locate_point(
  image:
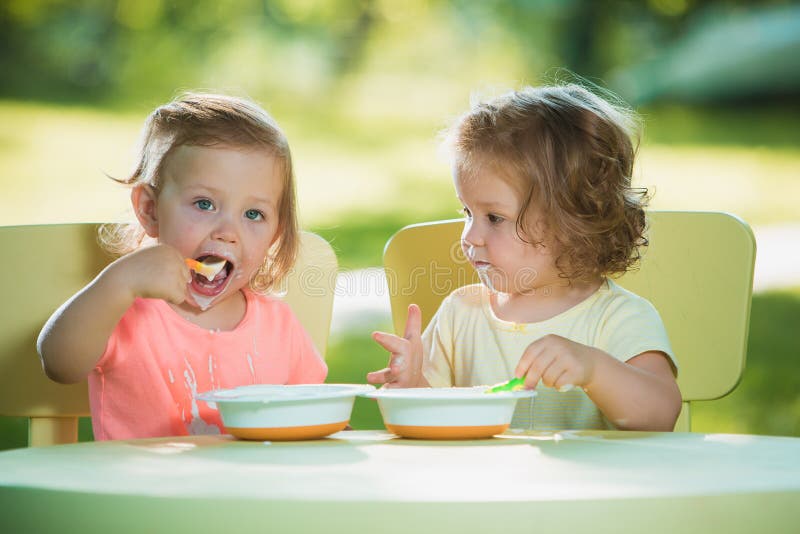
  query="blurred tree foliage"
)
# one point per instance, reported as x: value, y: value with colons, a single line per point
x: 89, y: 50
x: 116, y: 50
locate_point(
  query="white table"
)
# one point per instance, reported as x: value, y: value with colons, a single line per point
x: 362, y: 481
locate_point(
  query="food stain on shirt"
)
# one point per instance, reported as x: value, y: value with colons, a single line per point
x: 252, y: 368
x: 196, y: 426
x: 212, y: 364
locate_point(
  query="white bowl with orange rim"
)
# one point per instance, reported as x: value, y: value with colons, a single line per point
x: 285, y: 412
x: 446, y: 413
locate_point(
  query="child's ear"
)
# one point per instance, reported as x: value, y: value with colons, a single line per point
x: 145, y: 206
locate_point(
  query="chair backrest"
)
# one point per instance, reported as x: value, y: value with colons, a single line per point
x: 310, y: 286
x: 49, y: 263
x: 697, y: 271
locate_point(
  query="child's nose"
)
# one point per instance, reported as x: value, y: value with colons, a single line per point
x: 226, y: 230
x: 471, y: 236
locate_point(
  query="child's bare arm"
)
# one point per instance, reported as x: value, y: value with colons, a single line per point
x: 75, y: 336
x: 405, y: 362
x: 640, y: 394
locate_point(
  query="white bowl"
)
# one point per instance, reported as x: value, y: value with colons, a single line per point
x: 446, y: 413
x: 285, y: 413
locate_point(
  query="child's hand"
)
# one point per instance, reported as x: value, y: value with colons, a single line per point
x: 75, y: 336
x: 557, y: 362
x: 153, y: 272
x: 405, y: 363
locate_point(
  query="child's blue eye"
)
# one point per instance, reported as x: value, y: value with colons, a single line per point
x: 254, y: 215
x: 204, y: 204
x: 495, y: 219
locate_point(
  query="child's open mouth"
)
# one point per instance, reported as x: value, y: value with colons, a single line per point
x: 211, y: 288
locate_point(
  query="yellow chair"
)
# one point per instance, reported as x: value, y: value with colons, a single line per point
x: 697, y: 271
x: 49, y: 263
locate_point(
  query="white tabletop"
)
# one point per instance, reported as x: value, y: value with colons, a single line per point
x: 606, y: 481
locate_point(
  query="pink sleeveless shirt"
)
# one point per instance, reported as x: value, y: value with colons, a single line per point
x: 155, y: 361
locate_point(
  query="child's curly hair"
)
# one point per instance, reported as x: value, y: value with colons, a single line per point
x: 569, y: 154
x: 202, y: 119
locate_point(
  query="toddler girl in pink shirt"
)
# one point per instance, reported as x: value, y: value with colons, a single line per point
x: 214, y: 183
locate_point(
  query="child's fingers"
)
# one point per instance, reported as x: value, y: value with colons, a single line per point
x: 553, y: 374
x: 532, y: 364
x: 539, y: 369
x: 390, y: 342
x: 413, y: 323
x: 405, y: 361
x: 383, y: 376
x: 564, y: 385
x: 398, y: 363
x: 528, y: 357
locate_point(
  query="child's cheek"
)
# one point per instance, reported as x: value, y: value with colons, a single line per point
x: 248, y: 267
x: 238, y: 274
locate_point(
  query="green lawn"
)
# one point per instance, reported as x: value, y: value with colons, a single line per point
x: 767, y: 400
x: 362, y: 169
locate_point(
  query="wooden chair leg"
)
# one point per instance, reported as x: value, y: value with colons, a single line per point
x: 43, y: 431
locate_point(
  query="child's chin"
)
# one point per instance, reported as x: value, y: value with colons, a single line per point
x: 201, y: 302
x: 204, y: 301
x: 202, y: 296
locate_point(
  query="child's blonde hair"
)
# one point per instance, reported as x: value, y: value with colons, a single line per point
x: 569, y: 154
x: 202, y: 119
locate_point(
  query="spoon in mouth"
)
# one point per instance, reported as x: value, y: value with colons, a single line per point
x: 209, y: 270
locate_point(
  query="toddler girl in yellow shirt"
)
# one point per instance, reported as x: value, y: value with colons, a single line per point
x: 544, y: 177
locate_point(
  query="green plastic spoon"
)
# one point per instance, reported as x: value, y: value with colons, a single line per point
x: 515, y: 384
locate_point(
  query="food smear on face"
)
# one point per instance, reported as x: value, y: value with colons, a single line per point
x: 486, y: 279
x: 203, y: 302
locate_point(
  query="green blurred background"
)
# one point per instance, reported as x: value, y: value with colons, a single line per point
x: 363, y: 87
